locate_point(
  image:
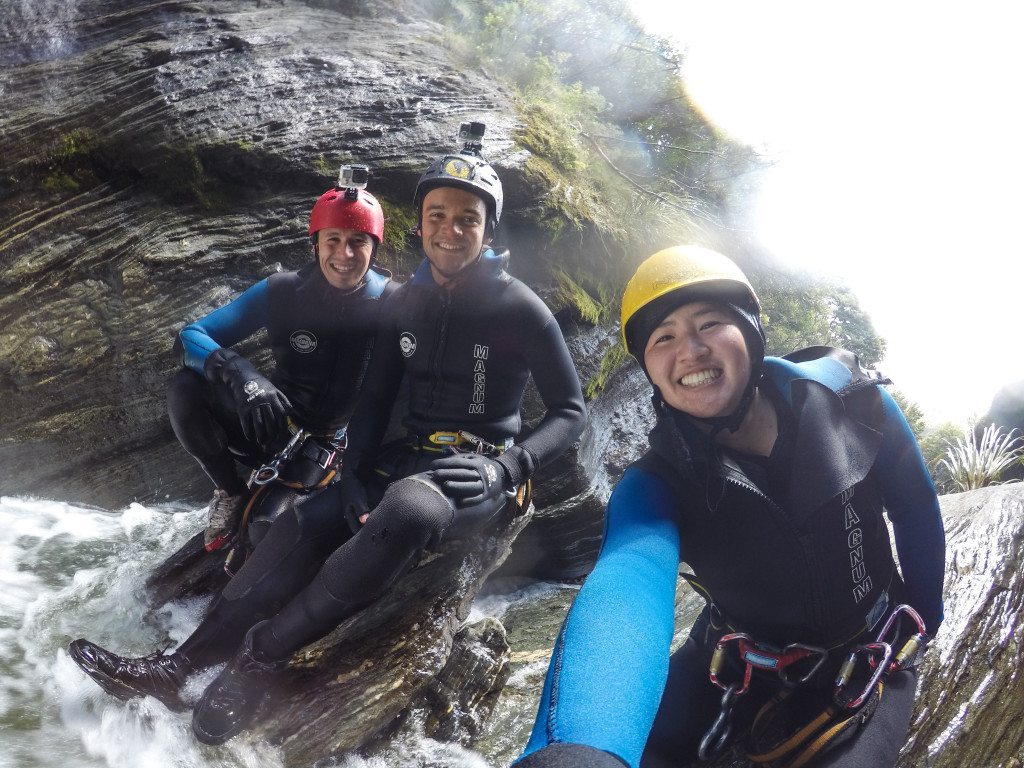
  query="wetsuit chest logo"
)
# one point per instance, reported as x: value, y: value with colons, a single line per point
x: 302, y: 341
x: 407, y: 343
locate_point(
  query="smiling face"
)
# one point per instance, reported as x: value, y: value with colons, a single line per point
x: 454, y: 230
x: 697, y: 358
x: 344, y: 256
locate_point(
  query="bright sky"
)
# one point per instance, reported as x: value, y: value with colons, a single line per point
x: 897, y: 134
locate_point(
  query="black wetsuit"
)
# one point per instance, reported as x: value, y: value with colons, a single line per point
x: 321, y: 339
x: 788, y: 548
x: 466, y: 355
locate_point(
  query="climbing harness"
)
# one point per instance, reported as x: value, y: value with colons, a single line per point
x: 459, y: 440
x: 754, y: 655
x: 858, y: 688
x: 269, y: 472
x: 324, y: 454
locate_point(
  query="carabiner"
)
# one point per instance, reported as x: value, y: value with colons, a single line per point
x: 914, y: 643
x: 715, y: 741
x: 268, y: 473
x: 879, y: 657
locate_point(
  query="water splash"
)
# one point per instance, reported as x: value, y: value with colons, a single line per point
x: 70, y: 572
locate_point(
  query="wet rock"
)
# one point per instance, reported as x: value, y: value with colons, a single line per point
x: 563, y: 539
x: 972, y: 692
x: 155, y: 161
x: 459, y: 700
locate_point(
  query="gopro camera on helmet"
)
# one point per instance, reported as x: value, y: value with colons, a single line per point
x: 472, y: 135
x: 353, y: 178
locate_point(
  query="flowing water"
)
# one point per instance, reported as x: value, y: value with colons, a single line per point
x: 68, y: 572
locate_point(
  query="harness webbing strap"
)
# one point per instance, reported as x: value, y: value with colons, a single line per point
x: 825, y: 731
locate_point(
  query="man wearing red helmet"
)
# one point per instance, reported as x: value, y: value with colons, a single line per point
x: 320, y: 321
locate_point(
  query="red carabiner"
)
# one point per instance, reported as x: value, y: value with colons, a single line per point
x: 878, y: 658
x: 914, y: 643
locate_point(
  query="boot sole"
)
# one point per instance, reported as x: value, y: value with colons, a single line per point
x: 114, y: 687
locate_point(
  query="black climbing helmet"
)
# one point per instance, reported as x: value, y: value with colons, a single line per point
x: 466, y: 170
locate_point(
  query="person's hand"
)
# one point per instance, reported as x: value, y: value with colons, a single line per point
x: 261, y: 407
x: 469, y: 478
x: 352, y: 501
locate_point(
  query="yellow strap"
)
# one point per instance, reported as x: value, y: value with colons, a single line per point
x: 794, y: 741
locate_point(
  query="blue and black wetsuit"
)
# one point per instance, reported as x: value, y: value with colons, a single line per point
x: 801, y: 554
x: 321, y: 339
x: 465, y: 354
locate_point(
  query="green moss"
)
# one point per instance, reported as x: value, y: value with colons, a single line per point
x: 399, y: 250
x: 613, y: 357
x: 179, y: 175
x: 329, y: 166
x: 571, y: 294
x: 59, y: 181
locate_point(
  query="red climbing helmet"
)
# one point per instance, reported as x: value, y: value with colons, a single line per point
x: 348, y: 209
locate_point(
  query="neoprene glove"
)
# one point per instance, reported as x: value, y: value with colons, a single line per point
x: 469, y: 478
x: 352, y: 500
x: 261, y: 407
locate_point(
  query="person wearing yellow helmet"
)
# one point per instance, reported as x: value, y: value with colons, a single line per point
x: 768, y: 477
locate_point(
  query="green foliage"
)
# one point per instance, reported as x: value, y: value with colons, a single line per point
x: 627, y: 163
x: 935, y: 444
x: 911, y: 412
x: 604, y: 114
x: 975, y: 462
x: 800, y: 313
x: 615, y: 356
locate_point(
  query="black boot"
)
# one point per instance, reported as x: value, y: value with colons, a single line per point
x: 231, y: 702
x: 160, y: 676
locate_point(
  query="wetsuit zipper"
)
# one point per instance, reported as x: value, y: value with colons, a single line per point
x: 816, y: 617
x: 436, y: 384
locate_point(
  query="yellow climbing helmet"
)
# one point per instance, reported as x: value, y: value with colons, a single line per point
x: 681, y: 267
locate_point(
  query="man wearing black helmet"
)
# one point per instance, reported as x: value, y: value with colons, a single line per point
x: 465, y: 336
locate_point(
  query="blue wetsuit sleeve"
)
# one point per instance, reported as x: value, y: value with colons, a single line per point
x: 913, y: 507
x: 225, y: 326
x: 610, y: 661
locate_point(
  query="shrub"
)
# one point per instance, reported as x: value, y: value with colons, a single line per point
x: 975, y: 463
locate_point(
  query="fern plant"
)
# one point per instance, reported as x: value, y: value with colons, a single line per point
x: 974, y: 463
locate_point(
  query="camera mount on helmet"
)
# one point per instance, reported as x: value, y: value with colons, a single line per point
x: 466, y: 170
x: 472, y: 136
x: 353, y: 178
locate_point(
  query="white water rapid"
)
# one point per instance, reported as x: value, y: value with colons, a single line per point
x: 68, y: 571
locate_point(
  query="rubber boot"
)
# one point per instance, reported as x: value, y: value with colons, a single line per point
x: 158, y: 675
x: 231, y: 702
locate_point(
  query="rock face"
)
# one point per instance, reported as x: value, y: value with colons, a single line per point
x: 156, y: 159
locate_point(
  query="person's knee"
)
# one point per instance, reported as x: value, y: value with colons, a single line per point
x: 413, y: 511
x: 184, y: 392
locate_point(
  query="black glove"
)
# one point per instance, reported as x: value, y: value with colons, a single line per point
x: 352, y: 501
x: 470, y: 478
x: 261, y: 407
